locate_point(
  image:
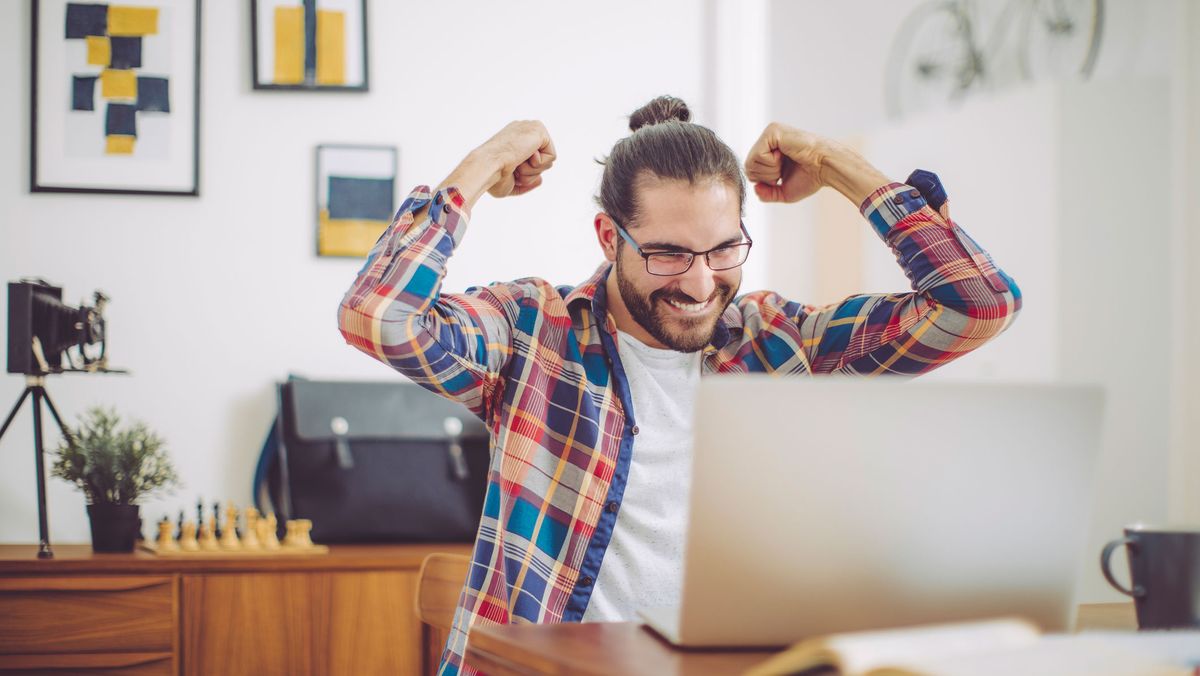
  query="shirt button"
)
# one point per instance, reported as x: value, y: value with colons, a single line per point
x: 446, y: 208
x: 612, y: 507
x: 585, y: 581
x: 636, y: 430
x: 914, y: 193
x: 898, y: 199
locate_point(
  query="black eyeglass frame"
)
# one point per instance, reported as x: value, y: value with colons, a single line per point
x: 691, y: 261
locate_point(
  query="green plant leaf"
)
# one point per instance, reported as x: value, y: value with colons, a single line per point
x: 113, y: 465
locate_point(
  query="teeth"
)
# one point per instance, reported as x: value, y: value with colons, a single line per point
x: 688, y: 307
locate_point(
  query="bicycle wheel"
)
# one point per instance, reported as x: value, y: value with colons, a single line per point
x: 1061, y: 38
x: 933, y: 60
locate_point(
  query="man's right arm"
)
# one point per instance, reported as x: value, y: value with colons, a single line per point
x: 453, y: 344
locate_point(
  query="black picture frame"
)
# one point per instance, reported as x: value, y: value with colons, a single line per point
x: 310, y: 77
x: 51, y: 170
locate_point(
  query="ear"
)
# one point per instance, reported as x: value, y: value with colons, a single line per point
x: 606, y: 235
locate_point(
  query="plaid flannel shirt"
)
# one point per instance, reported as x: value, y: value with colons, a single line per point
x: 539, y: 365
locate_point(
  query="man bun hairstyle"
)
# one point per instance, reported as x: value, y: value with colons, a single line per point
x: 662, y: 109
x: 665, y: 144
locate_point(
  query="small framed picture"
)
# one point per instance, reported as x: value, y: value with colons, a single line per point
x: 309, y: 44
x: 115, y: 100
x: 356, y: 197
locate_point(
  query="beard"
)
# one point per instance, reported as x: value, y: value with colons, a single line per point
x: 682, y: 334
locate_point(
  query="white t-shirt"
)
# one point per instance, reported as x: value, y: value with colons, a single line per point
x: 643, y: 564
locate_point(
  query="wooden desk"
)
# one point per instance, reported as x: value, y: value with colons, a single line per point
x: 627, y: 648
x: 348, y: 612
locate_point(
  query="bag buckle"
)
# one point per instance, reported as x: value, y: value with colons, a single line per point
x: 458, y: 461
x: 341, y: 442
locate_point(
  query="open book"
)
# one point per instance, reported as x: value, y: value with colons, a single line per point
x: 986, y: 648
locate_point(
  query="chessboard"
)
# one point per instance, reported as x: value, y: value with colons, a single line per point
x: 258, y: 536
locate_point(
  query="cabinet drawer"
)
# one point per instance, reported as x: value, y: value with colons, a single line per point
x: 87, y: 614
x: 360, y: 623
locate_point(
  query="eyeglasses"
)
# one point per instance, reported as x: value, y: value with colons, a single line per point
x: 670, y: 263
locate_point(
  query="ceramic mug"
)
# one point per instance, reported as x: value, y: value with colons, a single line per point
x: 1164, y: 564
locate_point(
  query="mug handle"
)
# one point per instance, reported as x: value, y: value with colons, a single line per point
x: 1138, y: 590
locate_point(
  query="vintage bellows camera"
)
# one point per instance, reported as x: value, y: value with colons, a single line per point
x: 44, y: 332
x: 47, y: 336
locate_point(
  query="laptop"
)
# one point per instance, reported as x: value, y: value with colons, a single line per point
x: 833, y: 505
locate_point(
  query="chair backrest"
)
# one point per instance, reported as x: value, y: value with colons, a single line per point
x: 438, y: 586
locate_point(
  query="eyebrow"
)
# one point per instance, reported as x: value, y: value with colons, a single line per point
x: 668, y: 247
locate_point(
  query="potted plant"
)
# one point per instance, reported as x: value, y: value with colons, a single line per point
x: 114, y: 468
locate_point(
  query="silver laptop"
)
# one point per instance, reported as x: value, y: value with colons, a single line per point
x: 833, y: 505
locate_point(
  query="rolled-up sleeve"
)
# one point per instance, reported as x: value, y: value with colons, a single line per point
x: 452, y: 344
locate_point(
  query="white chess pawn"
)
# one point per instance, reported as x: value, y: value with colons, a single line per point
x: 166, y: 537
x: 270, y: 537
x: 208, y: 538
x: 250, y: 536
x: 187, y: 537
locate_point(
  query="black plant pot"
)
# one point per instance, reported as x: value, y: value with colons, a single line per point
x: 115, y: 528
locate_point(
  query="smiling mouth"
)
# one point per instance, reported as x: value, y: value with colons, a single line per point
x: 690, y: 308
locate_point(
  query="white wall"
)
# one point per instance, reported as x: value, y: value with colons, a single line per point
x: 827, y: 64
x: 828, y: 59
x: 1116, y: 305
x: 1185, y: 277
x: 216, y: 298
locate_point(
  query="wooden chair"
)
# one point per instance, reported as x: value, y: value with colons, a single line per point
x: 438, y: 585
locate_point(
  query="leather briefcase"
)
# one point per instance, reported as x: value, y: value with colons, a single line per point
x: 377, y: 462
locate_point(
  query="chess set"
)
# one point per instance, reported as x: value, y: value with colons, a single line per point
x: 208, y: 538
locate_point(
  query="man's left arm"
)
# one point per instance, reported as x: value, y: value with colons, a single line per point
x: 959, y: 298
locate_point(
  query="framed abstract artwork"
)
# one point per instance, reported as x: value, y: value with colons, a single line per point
x: 313, y: 45
x: 356, y: 197
x: 115, y: 101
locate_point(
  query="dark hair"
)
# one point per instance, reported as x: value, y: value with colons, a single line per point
x: 666, y: 145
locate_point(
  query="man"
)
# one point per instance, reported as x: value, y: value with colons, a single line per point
x: 588, y: 391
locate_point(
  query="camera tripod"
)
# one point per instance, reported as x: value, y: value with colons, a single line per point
x: 36, y: 385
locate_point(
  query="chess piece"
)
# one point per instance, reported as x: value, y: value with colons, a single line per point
x: 208, y: 538
x: 166, y: 540
x: 250, y: 535
x: 261, y: 531
x: 298, y: 534
x: 218, y: 531
x: 187, y: 537
x: 270, y: 537
x: 229, y: 536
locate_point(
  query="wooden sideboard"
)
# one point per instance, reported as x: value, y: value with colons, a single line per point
x: 348, y: 612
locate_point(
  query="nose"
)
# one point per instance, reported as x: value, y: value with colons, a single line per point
x: 699, y: 281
